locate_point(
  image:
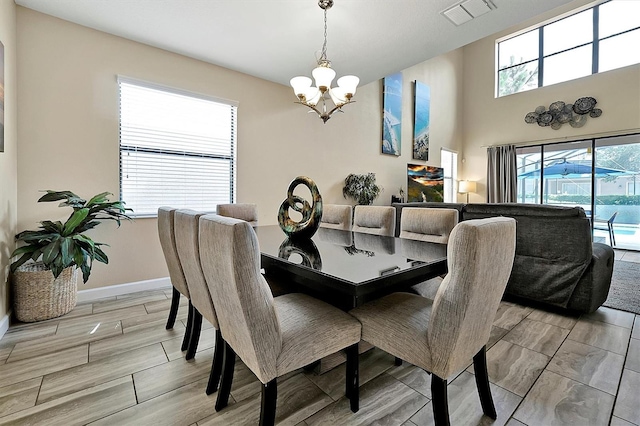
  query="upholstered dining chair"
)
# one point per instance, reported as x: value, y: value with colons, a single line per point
x: 166, y: 224
x: 272, y: 336
x: 244, y: 211
x: 430, y: 225
x: 426, y: 224
x: 336, y: 216
x: 442, y: 335
x: 379, y: 220
x: 187, y: 244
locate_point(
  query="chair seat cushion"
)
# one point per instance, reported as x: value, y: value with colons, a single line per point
x: 311, y: 330
x: 386, y: 321
x: 428, y: 288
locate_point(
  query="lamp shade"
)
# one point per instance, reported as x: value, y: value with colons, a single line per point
x: 349, y: 83
x: 466, y: 186
x: 300, y: 85
x: 323, y: 76
x: 312, y: 96
x: 338, y: 96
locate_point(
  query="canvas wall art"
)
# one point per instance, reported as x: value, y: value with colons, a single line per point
x: 1, y: 97
x: 392, y: 114
x: 422, y: 105
x: 425, y: 183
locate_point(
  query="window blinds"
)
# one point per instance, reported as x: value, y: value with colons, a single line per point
x: 177, y: 148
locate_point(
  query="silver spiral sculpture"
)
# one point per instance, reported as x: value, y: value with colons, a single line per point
x: 311, y: 214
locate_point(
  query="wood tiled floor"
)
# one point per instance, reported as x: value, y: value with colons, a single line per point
x: 112, y: 362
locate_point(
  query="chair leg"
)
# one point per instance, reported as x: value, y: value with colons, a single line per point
x: 187, y: 332
x: 196, y: 327
x: 482, y: 382
x: 612, y: 236
x: 353, y: 377
x: 398, y: 362
x: 268, y: 407
x: 173, y: 312
x: 227, y: 377
x: 216, y: 367
x: 439, y: 401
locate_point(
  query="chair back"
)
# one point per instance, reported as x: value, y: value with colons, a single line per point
x: 612, y: 218
x: 480, y: 256
x: 187, y: 244
x: 230, y: 258
x: 336, y: 216
x: 247, y: 212
x: 426, y: 224
x: 166, y: 225
x: 379, y: 220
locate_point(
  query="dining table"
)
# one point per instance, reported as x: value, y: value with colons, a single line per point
x: 345, y: 268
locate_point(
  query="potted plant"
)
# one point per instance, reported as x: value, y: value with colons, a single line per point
x: 361, y: 188
x: 46, y: 287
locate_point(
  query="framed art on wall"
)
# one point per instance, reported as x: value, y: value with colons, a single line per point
x: 392, y: 114
x: 422, y: 105
x: 425, y: 183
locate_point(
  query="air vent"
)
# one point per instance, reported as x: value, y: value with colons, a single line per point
x: 467, y: 10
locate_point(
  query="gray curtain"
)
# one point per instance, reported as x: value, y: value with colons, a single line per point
x: 502, y: 175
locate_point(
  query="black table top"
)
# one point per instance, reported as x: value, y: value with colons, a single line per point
x: 352, y: 266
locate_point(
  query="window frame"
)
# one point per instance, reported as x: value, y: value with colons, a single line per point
x: 595, y: 44
x: 123, y: 148
x: 454, y: 174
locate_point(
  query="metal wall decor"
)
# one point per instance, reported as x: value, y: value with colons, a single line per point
x: 560, y: 113
x: 311, y: 214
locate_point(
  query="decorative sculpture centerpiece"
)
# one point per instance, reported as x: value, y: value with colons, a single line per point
x: 311, y: 214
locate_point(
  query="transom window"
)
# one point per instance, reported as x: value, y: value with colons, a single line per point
x: 176, y: 148
x: 588, y: 42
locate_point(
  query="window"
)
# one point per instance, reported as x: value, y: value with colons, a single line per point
x: 449, y: 164
x: 176, y: 148
x: 594, y: 40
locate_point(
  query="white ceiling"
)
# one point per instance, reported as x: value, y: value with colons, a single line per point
x: 278, y: 39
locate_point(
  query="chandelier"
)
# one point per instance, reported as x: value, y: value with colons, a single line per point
x: 310, y: 96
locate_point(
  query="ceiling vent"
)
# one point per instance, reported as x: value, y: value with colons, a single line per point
x: 468, y: 10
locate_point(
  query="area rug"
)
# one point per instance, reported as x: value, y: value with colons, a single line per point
x: 625, y: 287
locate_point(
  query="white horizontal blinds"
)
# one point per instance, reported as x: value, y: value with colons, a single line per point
x: 175, y: 149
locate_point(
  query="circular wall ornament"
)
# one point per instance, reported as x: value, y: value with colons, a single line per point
x: 595, y: 113
x: 584, y: 105
x: 578, y: 120
x: 311, y: 214
x: 557, y: 106
x: 540, y: 109
x: 531, y: 117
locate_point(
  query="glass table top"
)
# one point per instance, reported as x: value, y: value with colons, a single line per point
x: 350, y: 256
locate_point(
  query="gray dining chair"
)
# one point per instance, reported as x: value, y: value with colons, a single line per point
x: 336, y: 216
x: 272, y: 336
x: 187, y: 245
x: 443, y: 335
x: 244, y: 211
x: 379, y: 220
x: 427, y: 224
x: 431, y: 225
x: 166, y: 233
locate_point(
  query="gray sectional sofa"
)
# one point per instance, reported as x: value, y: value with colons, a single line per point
x: 556, y: 262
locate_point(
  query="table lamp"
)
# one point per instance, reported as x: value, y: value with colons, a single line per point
x: 465, y: 187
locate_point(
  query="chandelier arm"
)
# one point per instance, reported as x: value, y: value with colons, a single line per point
x: 339, y: 108
x: 310, y: 106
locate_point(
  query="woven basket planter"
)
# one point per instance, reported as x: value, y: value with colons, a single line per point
x: 37, y: 296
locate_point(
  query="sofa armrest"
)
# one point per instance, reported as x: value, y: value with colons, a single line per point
x: 593, y: 288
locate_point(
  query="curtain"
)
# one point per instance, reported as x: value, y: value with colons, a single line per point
x: 502, y: 175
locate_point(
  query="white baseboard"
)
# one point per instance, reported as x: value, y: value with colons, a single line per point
x: 116, y: 290
x: 4, y: 324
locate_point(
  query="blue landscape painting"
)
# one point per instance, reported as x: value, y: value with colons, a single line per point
x: 392, y: 115
x: 422, y: 107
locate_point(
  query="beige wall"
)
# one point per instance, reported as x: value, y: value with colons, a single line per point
x: 495, y: 121
x: 8, y: 158
x: 68, y: 123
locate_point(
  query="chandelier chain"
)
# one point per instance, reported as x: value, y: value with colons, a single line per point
x: 323, y: 55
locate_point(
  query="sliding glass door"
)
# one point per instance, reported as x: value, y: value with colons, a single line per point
x: 600, y: 175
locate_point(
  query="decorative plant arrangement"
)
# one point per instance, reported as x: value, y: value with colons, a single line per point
x: 560, y: 113
x: 361, y: 188
x: 47, y: 287
x: 62, y: 245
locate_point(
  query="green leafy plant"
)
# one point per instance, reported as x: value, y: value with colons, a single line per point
x: 361, y: 188
x: 63, y: 244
